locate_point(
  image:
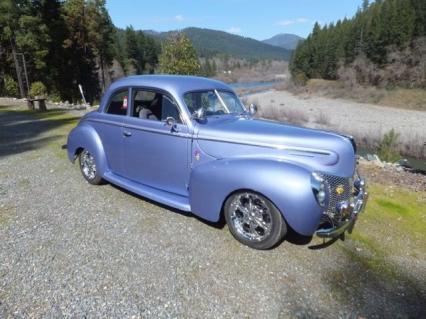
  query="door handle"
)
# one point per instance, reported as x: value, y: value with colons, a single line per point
x: 127, y: 133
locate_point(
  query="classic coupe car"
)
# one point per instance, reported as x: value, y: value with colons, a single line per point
x: 189, y: 143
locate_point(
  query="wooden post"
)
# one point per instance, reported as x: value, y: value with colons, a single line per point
x: 42, y: 105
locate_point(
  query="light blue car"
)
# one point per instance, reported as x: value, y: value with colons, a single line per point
x: 189, y: 143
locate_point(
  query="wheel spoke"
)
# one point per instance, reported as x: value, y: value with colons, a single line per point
x: 88, y: 165
x: 251, y: 217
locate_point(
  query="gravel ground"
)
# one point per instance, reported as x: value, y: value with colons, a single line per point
x: 69, y: 249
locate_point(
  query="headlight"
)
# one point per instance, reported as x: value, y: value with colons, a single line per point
x: 319, y: 187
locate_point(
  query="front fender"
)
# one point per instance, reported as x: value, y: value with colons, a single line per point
x: 85, y: 136
x: 286, y: 184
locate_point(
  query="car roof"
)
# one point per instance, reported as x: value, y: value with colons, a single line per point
x: 174, y: 84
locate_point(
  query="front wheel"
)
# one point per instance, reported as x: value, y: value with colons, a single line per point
x: 88, y: 168
x: 254, y: 220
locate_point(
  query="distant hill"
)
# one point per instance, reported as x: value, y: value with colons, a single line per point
x: 212, y: 42
x: 284, y: 40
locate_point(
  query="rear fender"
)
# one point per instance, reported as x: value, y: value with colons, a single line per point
x: 286, y: 184
x: 85, y: 137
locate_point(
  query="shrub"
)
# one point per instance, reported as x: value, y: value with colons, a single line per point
x: 300, y: 79
x: 10, y: 86
x: 387, y: 150
x: 55, y: 96
x: 38, y: 89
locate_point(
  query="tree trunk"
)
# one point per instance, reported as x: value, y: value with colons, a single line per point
x: 18, y: 70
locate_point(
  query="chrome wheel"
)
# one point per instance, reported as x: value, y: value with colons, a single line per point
x: 250, y: 216
x: 88, y: 165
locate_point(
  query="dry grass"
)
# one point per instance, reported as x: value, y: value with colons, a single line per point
x: 295, y: 116
x: 406, y: 98
x: 322, y: 119
x: 414, y: 99
x: 408, y: 144
x: 280, y: 113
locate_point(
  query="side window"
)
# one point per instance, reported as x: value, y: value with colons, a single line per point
x: 151, y: 105
x: 118, y: 103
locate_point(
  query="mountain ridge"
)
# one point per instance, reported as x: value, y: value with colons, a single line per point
x: 287, y: 41
x: 209, y: 42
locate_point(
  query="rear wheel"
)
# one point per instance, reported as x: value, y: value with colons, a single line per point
x: 254, y: 220
x: 88, y: 168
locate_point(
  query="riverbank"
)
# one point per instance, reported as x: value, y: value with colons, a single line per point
x: 366, y: 122
x: 412, y: 99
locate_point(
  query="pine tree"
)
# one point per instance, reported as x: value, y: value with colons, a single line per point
x: 80, y: 56
x: 377, y: 29
x: 56, y: 71
x: 131, y: 49
x: 419, y: 8
x: 151, y: 52
x: 101, y: 36
x: 179, y: 56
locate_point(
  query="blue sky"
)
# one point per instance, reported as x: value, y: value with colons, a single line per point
x: 259, y: 19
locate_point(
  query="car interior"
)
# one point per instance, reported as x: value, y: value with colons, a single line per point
x: 154, y: 106
x: 148, y: 105
x: 118, y: 104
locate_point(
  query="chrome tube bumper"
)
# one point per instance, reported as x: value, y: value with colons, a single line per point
x: 348, y: 208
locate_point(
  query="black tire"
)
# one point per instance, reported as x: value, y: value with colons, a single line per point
x: 91, y: 175
x: 261, y: 225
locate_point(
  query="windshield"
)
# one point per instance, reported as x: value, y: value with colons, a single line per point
x: 214, y: 102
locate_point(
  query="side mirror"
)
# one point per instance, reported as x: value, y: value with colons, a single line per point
x: 171, y: 122
x: 252, y: 109
x: 198, y: 114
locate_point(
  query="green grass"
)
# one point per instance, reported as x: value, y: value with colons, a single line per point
x: 68, y: 123
x: 393, y: 226
x: 391, y: 206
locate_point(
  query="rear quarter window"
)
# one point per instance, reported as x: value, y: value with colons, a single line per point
x: 118, y: 103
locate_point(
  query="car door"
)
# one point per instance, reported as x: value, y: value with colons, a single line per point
x: 109, y: 126
x: 156, y: 153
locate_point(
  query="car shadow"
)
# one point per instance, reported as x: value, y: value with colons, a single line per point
x: 291, y: 237
x: 22, y: 131
x: 375, y: 290
x: 219, y: 224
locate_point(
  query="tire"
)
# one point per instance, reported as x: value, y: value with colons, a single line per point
x: 254, y: 220
x: 88, y: 168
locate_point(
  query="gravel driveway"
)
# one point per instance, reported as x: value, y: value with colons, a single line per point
x: 69, y: 249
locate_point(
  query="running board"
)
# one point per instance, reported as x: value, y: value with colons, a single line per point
x: 163, y: 197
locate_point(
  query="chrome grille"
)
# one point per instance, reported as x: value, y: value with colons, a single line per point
x: 333, y: 183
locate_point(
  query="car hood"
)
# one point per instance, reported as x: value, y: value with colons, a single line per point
x: 227, y: 136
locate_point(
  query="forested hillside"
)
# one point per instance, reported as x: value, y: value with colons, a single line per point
x: 384, y: 44
x: 210, y: 43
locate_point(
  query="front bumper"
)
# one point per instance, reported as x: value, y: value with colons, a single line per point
x: 351, y: 208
